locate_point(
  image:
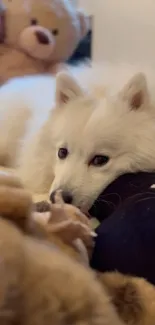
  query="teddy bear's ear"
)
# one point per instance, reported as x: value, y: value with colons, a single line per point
x: 84, y: 23
x: 67, y: 88
x: 135, y: 92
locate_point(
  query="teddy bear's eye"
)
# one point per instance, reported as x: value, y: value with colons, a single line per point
x: 34, y: 21
x: 55, y: 32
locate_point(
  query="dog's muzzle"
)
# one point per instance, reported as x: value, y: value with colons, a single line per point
x: 67, y: 197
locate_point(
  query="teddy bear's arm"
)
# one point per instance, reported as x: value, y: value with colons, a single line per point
x: 58, y: 67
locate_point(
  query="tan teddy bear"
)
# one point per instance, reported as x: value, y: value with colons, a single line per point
x: 38, y: 36
x: 63, y: 225
x: 39, y: 284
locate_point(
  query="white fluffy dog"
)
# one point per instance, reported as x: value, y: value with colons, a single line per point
x: 78, y: 134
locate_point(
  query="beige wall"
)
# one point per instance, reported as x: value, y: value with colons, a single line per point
x: 124, y: 30
x: 87, y: 5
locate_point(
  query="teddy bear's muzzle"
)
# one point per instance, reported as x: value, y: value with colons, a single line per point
x: 38, y: 42
x: 42, y: 37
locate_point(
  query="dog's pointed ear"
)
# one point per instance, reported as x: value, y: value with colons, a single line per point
x: 135, y: 92
x: 67, y: 88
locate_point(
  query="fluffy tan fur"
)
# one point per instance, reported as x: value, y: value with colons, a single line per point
x: 133, y: 297
x: 66, y: 226
x: 41, y: 285
x: 62, y: 224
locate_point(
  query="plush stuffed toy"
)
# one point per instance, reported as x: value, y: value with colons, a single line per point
x: 37, y: 276
x: 67, y: 227
x: 64, y: 225
x: 38, y: 36
x: 39, y: 283
x: 126, y: 234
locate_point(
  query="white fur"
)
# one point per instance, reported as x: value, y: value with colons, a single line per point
x: 97, y: 119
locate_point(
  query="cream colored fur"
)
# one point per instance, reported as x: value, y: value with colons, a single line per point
x: 100, y: 117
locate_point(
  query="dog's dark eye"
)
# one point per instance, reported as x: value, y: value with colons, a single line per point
x: 62, y: 153
x: 34, y: 21
x: 55, y: 32
x: 99, y: 160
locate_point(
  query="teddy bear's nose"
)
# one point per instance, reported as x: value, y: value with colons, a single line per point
x: 42, y: 37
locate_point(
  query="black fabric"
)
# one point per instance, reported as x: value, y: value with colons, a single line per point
x: 126, y: 236
x: 118, y: 191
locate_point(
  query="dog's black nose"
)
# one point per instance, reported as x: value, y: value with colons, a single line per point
x: 42, y: 37
x: 67, y: 197
x: 52, y: 197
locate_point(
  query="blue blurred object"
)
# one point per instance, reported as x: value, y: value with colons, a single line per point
x: 83, y: 51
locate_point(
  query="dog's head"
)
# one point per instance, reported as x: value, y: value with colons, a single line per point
x: 98, y: 139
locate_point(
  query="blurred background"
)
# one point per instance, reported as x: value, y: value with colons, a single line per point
x: 122, y: 30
